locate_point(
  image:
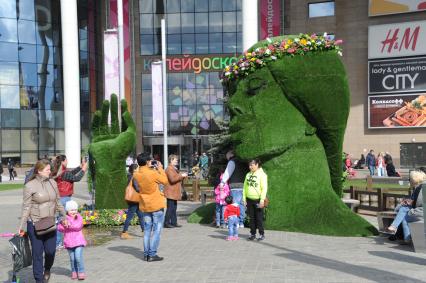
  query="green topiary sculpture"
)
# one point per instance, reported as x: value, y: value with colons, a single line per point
x: 289, y: 104
x: 108, y: 152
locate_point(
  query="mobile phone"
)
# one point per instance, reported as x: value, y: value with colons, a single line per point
x: 154, y: 163
x: 86, y: 158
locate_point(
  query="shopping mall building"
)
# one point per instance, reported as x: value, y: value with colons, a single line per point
x: 384, y: 54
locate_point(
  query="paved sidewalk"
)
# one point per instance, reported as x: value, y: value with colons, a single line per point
x: 199, y: 253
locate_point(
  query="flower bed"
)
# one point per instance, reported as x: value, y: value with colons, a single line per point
x: 106, y: 217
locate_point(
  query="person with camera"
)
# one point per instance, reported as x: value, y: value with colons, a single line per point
x: 173, y: 191
x: 149, y: 176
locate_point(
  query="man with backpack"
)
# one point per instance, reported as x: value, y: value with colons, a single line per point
x: 11, y: 168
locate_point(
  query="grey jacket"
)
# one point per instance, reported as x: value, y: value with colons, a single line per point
x: 418, y: 210
x: 40, y: 199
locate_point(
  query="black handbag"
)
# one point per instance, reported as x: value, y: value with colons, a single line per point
x: 45, y: 225
x: 184, y: 195
x: 21, y: 253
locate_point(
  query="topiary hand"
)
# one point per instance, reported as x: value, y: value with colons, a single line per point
x: 108, y: 152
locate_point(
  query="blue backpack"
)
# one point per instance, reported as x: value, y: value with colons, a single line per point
x: 28, y: 175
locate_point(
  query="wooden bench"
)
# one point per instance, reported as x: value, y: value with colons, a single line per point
x: 418, y: 236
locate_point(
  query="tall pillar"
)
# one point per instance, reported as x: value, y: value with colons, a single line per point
x: 71, y: 79
x: 250, y: 23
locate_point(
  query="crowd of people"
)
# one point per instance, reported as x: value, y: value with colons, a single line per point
x: 382, y: 165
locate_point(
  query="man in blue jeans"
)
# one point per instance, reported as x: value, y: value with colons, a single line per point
x: 235, y: 173
x: 149, y: 176
x: 371, y: 162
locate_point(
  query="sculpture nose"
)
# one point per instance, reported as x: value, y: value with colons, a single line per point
x: 235, y: 110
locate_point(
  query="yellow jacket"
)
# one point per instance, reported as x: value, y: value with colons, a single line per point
x: 148, y: 181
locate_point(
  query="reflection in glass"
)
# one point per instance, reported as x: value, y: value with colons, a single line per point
x: 43, y: 11
x: 29, y: 118
x: 28, y: 157
x: 9, y: 73
x: 8, y: 30
x: 201, y: 5
x: 215, y: 5
x: 147, y: 45
x: 145, y: 6
x: 46, y: 139
x: 29, y: 139
x: 9, y: 97
x: 173, y: 6
x: 44, y: 54
x: 174, y: 44
x: 229, y: 22
x: 8, y: 51
x: 59, y: 140
x: 173, y: 23
x: 323, y: 9
x: 10, y: 118
x: 146, y: 81
x: 147, y: 23
x: 28, y: 97
x: 188, y: 23
x: 8, y: 9
x: 201, y: 22
x: 215, y: 22
x: 26, y: 32
x: 27, y: 53
x: 202, y: 43
x: 229, y: 5
x: 44, y: 34
x: 229, y: 42
x: 188, y: 44
x: 215, y: 42
x: 59, y: 119
x: 187, y: 5
x: 10, y: 140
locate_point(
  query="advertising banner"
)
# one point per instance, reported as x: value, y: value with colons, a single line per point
x: 157, y: 97
x: 388, y: 7
x: 397, y: 111
x: 397, y: 75
x: 111, y: 64
x: 270, y: 18
x: 397, y: 40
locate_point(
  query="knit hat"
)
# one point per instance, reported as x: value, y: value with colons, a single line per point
x: 71, y: 205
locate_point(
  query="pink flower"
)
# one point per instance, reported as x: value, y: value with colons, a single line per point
x: 337, y: 42
x: 291, y: 50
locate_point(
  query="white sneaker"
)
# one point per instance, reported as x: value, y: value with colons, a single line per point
x: 241, y: 226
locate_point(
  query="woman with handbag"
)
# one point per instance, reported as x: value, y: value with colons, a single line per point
x: 40, y: 203
x: 133, y: 206
x: 172, y: 191
x: 254, y: 196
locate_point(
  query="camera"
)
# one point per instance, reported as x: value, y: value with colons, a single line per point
x: 154, y: 163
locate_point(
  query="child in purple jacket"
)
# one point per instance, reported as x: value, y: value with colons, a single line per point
x: 74, y: 240
x: 220, y: 195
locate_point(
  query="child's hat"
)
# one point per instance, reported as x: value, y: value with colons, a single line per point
x: 71, y: 205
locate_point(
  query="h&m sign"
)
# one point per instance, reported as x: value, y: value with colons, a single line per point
x: 397, y: 75
x: 397, y: 40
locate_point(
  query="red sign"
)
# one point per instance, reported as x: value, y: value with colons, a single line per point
x: 270, y: 18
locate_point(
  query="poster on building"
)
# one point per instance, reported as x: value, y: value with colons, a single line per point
x: 397, y: 111
x: 397, y: 75
x: 388, y: 7
x: 111, y: 63
x: 270, y: 18
x: 397, y: 40
x: 157, y: 97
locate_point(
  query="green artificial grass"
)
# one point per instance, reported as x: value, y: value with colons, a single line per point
x: 203, y: 215
x: 292, y: 114
x: 6, y: 187
x: 108, y: 153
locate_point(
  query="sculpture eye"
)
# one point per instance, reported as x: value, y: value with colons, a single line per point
x: 255, y: 85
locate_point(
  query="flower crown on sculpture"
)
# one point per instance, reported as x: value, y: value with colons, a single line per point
x: 261, y: 56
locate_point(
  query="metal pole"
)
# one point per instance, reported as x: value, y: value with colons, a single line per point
x: 120, y: 48
x: 163, y: 60
x: 250, y: 23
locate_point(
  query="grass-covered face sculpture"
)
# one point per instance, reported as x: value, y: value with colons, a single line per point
x: 291, y: 112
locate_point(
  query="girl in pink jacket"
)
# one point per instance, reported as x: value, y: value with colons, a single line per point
x: 220, y: 195
x: 74, y: 240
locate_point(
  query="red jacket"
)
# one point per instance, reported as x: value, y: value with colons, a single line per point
x: 231, y: 210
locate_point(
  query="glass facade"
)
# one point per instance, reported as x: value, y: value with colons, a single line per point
x: 199, y: 32
x: 31, y: 92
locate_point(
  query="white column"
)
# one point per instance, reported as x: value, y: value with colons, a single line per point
x: 120, y: 48
x: 71, y: 79
x: 163, y: 59
x: 250, y: 23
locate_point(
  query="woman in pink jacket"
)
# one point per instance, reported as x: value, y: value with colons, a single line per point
x: 74, y: 240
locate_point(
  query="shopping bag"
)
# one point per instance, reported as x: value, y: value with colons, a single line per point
x: 21, y: 253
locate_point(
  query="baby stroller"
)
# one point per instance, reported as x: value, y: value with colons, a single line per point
x: 21, y: 254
